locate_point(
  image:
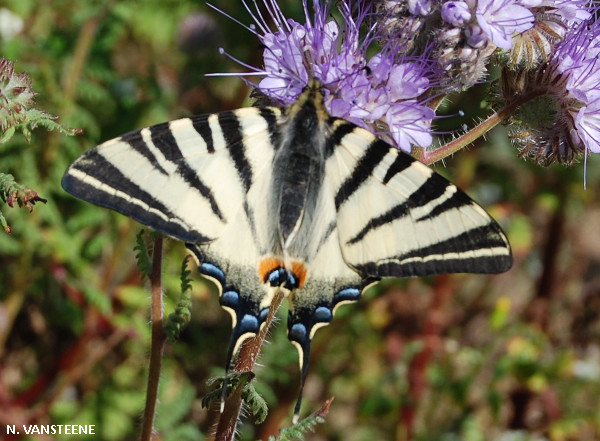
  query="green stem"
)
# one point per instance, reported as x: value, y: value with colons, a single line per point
x: 429, y: 157
x: 158, y: 341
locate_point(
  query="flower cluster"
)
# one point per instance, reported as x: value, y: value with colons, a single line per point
x: 386, y: 64
x: 380, y: 93
x: 465, y: 33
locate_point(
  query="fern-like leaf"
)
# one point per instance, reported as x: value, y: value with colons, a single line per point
x: 256, y: 403
x: 233, y: 380
x: 179, y: 318
x: 298, y: 431
x: 12, y: 192
x: 16, y: 111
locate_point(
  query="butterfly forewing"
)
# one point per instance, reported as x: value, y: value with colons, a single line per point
x: 186, y: 178
x: 397, y: 218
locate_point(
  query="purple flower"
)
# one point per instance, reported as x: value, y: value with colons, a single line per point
x: 380, y: 92
x: 406, y: 81
x: 500, y: 19
x: 476, y: 37
x: 573, y: 11
x: 530, y: 3
x: 576, y: 59
x: 420, y: 7
x: 568, y: 89
x: 413, y: 119
x: 456, y: 13
x: 587, y: 123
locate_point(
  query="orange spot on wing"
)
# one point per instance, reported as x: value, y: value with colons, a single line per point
x: 300, y: 272
x: 267, y: 265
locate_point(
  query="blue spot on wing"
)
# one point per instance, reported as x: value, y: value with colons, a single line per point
x: 230, y: 299
x: 249, y: 323
x: 347, y: 295
x: 211, y: 270
x: 323, y: 314
x: 263, y: 314
x: 297, y: 332
x: 277, y: 277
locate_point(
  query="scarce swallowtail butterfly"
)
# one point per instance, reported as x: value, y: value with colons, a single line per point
x: 290, y: 199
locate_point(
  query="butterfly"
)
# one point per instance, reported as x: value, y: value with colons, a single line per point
x: 290, y: 200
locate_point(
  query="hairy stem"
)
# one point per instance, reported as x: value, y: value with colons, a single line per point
x: 225, y: 428
x: 158, y: 341
x: 429, y: 157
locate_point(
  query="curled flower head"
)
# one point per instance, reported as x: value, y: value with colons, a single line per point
x: 380, y: 92
x: 568, y: 122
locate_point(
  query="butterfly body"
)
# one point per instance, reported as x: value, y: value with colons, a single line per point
x: 290, y: 199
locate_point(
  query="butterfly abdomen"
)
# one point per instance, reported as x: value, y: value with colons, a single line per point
x: 298, y: 173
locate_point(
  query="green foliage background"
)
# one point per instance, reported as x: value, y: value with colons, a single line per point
x: 462, y: 357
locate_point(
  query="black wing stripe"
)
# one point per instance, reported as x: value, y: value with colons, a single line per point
x: 133, y: 202
x: 163, y: 139
x: 201, y: 125
x: 273, y: 127
x: 375, y: 153
x: 252, y: 225
x: 477, y: 245
x: 335, y: 138
x: 137, y: 143
x: 330, y: 229
x: 401, y: 163
x: 479, y: 264
x: 433, y: 188
x: 487, y: 236
x: 397, y: 212
x: 457, y: 200
x: 232, y: 133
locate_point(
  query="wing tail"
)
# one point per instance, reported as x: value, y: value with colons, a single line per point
x: 309, y: 314
x: 240, y: 294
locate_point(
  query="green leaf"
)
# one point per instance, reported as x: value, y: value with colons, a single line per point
x: 182, y: 315
x: 256, y: 403
x: 298, y: 431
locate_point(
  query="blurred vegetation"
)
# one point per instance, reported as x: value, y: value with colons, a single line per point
x: 514, y: 357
